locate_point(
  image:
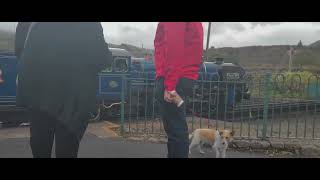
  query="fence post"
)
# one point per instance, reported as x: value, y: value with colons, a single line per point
x: 267, y: 82
x: 122, y: 106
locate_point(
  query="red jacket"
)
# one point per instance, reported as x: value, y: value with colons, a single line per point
x: 178, y: 51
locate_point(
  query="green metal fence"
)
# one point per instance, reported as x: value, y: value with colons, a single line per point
x: 279, y: 106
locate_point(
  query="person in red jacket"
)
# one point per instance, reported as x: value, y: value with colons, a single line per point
x: 178, y: 56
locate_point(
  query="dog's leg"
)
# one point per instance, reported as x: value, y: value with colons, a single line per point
x: 200, y: 148
x: 223, y: 153
x: 213, y: 148
x: 193, y: 144
x: 217, y: 153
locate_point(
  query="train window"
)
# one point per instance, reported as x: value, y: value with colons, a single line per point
x: 108, y: 68
x: 121, y: 65
x: 136, y: 66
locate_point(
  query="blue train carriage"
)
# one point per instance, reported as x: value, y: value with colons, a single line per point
x: 137, y: 75
x: 220, y: 86
x: 110, y: 79
x: 111, y: 85
x: 8, y: 76
x: 142, y: 89
x: 227, y: 78
x: 142, y: 75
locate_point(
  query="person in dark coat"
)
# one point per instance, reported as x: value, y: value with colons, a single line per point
x: 21, y: 35
x: 22, y: 30
x: 58, y: 83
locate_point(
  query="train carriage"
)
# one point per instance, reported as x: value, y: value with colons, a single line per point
x: 8, y: 76
x: 135, y: 78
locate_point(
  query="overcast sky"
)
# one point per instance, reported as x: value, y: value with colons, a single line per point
x: 224, y: 34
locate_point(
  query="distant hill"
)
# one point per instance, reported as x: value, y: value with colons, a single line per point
x: 254, y: 57
x: 5, y: 34
x: 251, y: 57
x: 270, y: 57
x: 134, y: 50
x: 7, y: 43
x: 315, y: 44
x: 273, y: 55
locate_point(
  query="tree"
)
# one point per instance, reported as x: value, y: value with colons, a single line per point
x: 300, y: 44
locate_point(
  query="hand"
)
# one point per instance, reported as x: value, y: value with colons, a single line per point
x: 168, y: 97
x: 176, y: 98
x: 173, y: 97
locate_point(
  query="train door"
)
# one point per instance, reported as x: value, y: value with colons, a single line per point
x: 8, y: 74
x: 110, y: 80
x: 111, y: 83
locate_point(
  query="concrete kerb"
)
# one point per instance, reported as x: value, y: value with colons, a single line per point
x: 272, y: 147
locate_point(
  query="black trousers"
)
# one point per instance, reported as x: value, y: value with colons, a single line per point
x: 44, y: 130
x: 174, y: 118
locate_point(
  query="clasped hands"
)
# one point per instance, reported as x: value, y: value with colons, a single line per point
x: 173, y: 97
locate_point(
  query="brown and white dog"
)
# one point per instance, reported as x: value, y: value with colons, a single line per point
x: 218, y: 140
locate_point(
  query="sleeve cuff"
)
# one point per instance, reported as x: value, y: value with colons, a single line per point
x: 174, y: 91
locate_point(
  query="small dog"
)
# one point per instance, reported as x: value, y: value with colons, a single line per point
x: 218, y: 140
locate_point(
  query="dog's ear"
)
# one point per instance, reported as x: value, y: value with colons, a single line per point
x: 221, y: 132
x: 232, y: 133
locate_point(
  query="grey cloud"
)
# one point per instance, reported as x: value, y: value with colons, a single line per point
x: 135, y: 36
x: 8, y: 26
x: 221, y: 27
x: 128, y: 29
x: 254, y: 24
x: 279, y: 36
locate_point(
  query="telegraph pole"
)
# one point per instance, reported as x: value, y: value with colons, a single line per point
x: 290, y: 52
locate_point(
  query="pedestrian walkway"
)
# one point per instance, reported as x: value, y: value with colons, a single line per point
x: 98, y: 142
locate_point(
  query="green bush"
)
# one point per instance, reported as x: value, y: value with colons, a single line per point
x: 293, y: 84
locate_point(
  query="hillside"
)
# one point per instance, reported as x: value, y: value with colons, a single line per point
x: 255, y: 57
x: 6, y: 40
x: 271, y: 57
x: 251, y: 57
x: 135, y: 51
x: 315, y: 44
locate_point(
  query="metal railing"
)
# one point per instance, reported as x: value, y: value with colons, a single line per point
x: 279, y: 106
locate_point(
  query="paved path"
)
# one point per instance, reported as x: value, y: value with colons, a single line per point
x: 99, y: 142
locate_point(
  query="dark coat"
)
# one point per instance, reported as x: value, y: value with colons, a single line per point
x: 21, y: 34
x: 59, y: 70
